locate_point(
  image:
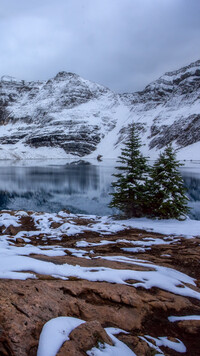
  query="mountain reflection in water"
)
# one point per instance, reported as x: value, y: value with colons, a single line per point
x: 191, y: 179
x: 79, y: 187
x: 82, y: 188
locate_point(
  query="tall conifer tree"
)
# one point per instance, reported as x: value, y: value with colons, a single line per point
x: 168, y: 194
x: 130, y: 187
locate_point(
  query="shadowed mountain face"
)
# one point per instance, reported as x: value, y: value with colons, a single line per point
x: 78, y: 117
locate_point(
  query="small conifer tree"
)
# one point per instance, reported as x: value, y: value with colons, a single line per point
x: 130, y: 187
x: 168, y: 194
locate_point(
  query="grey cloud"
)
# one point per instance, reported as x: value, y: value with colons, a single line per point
x: 122, y: 44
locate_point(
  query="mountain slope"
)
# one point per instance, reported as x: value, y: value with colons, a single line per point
x: 169, y: 108
x: 70, y: 116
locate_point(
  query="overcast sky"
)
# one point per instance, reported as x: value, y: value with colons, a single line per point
x: 122, y: 44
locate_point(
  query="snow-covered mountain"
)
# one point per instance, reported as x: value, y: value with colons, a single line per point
x: 69, y: 116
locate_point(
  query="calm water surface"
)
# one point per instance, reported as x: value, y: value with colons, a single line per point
x: 79, y: 187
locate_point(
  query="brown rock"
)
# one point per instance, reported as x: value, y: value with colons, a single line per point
x: 83, y: 338
x: 19, y: 240
x: 5, y: 345
x: 89, y: 334
x: 140, y: 347
x: 69, y: 349
x: 190, y: 326
x: 12, y: 230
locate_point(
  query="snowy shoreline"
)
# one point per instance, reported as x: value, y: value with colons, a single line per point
x: 20, y: 152
x: 187, y: 228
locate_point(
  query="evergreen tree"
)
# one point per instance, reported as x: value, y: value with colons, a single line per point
x: 168, y: 199
x: 130, y: 187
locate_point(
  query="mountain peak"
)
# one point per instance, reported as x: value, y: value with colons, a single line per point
x: 62, y: 75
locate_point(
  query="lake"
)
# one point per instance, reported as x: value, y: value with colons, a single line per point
x: 80, y: 187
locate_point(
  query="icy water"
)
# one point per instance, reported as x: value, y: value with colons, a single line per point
x: 191, y: 177
x: 79, y: 187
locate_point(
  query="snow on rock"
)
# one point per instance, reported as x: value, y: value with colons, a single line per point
x: 158, y: 276
x: 118, y: 349
x: 186, y: 317
x: 16, y: 263
x: 54, y: 333
x: 7, y: 219
x: 16, y: 267
x: 187, y: 228
x: 55, y: 225
x: 177, y: 345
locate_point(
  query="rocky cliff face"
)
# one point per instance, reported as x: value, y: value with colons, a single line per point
x: 71, y: 115
x: 56, y: 113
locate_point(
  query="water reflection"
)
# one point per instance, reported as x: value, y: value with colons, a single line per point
x: 78, y: 187
x: 191, y: 179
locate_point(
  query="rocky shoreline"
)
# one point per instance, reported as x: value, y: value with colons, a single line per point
x: 108, y: 275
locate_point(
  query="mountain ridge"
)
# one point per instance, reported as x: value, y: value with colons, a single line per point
x: 68, y: 116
